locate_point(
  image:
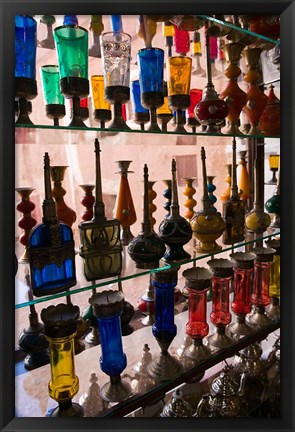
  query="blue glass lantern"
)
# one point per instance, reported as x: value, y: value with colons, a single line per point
x: 151, y: 69
x: 140, y: 114
x: 107, y: 308
x: 25, y: 45
x: 164, y: 367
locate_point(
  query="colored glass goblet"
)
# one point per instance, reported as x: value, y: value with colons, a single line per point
x: 54, y: 100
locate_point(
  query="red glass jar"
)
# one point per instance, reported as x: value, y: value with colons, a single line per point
x: 262, y: 265
x: 222, y: 270
x: 241, y: 304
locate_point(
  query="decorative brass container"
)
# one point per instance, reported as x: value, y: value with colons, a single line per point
x: 257, y: 221
x: 100, y: 245
x: 175, y: 230
x: 234, y: 209
x: 207, y: 224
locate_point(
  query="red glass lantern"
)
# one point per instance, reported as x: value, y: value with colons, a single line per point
x: 220, y: 315
x: 195, y: 97
x: 197, y: 283
x: 260, y: 296
x: 241, y: 305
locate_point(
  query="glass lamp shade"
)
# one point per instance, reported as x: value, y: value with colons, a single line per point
x: 181, y: 41
x: 197, y: 326
x: 135, y: 98
x: 116, y: 55
x: 274, y: 285
x: 179, y: 75
x: 72, y: 51
x: 25, y: 45
x: 151, y: 69
x: 220, y: 315
x: 101, y: 108
x: 260, y: 295
x: 241, y: 304
x: 50, y: 83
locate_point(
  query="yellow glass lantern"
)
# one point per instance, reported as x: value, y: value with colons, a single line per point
x: 179, y: 75
x: 101, y: 108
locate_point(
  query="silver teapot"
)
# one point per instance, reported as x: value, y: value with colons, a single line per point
x: 225, y: 397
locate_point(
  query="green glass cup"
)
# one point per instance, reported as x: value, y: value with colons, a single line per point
x: 54, y: 100
x: 72, y: 51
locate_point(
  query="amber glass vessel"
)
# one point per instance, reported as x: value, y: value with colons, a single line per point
x: 256, y: 99
x: 269, y: 123
x: 243, y: 178
x: 124, y: 208
x: 235, y: 97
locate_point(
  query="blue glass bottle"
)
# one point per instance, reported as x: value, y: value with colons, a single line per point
x: 107, y: 308
x: 116, y: 23
x: 51, y: 248
x: 25, y: 45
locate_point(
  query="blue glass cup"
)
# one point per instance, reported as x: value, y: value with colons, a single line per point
x: 107, y: 308
x: 164, y: 366
x: 25, y: 45
x: 151, y: 72
x: 140, y: 114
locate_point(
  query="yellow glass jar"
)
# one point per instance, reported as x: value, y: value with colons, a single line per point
x: 179, y: 75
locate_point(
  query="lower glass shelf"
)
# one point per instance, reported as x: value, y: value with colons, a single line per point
x: 31, y: 389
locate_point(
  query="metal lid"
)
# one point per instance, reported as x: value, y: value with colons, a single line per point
x: 224, y: 385
x: 264, y: 254
x: 274, y: 243
x: 166, y: 276
x: 243, y: 260
x: 177, y: 407
x: 221, y: 267
x: 198, y: 278
x: 61, y: 320
x: 107, y: 303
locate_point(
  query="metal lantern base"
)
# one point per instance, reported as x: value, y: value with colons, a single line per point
x: 164, y: 367
x: 67, y: 409
x: 258, y: 318
x: 240, y: 328
x: 197, y: 350
x: 273, y: 310
x: 219, y: 339
x: 116, y: 390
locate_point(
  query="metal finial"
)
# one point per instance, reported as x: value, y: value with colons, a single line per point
x: 174, y: 209
x: 234, y: 186
x: 98, y: 205
x: 146, y: 224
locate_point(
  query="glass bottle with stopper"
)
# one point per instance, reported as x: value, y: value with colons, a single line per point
x: 175, y: 230
x: 51, y: 248
x: 100, y: 245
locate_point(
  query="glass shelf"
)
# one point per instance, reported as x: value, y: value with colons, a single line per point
x: 28, y: 134
x: 131, y: 272
x: 242, y: 30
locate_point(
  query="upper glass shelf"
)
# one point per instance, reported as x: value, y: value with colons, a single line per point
x: 259, y: 38
x: 129, y: 270
x: 28, y: 134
